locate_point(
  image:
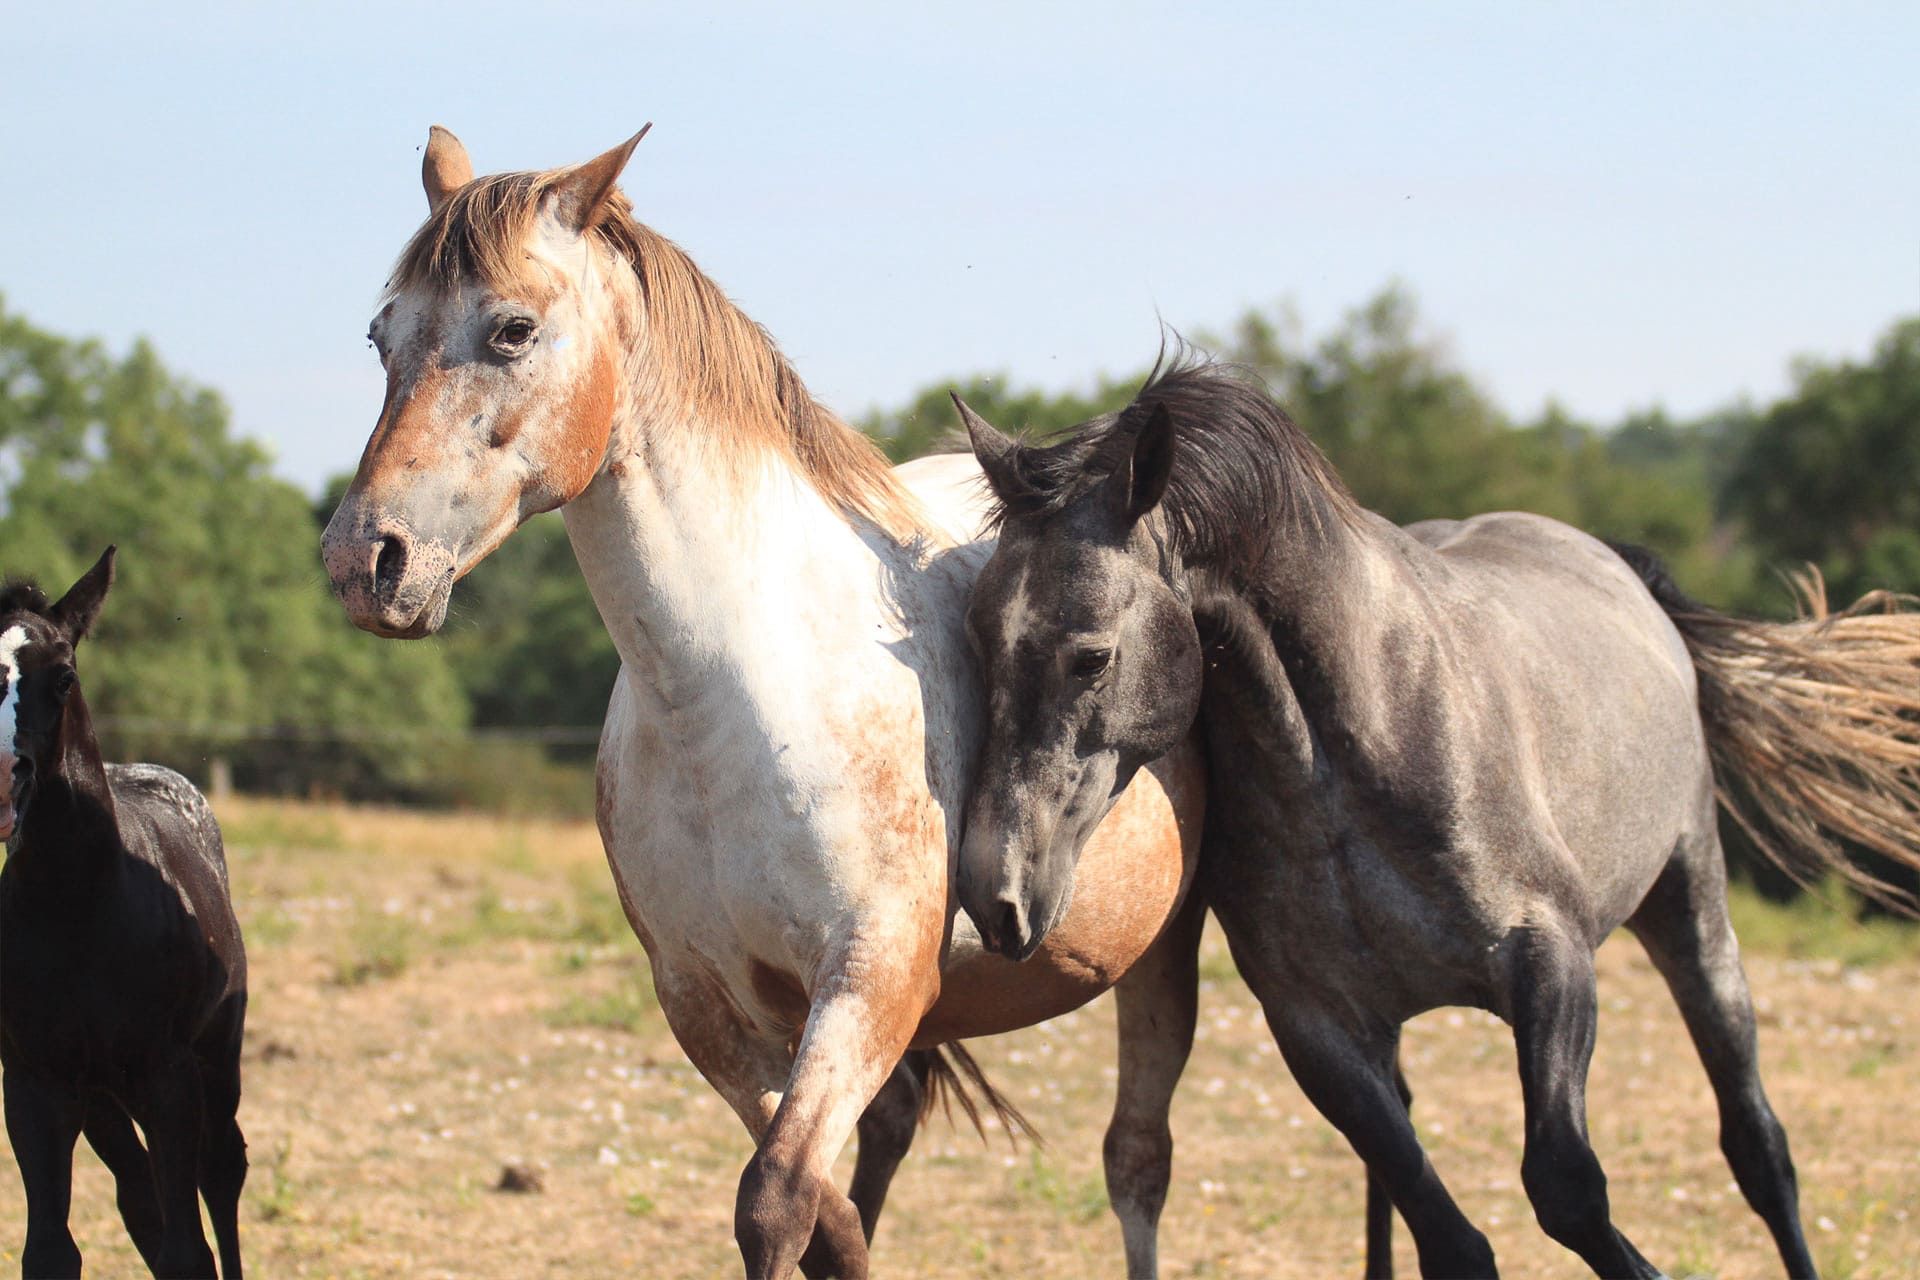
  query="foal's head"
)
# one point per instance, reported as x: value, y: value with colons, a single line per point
x: 499, y: 335
x: 38, y: 681
x: 1091, y: 660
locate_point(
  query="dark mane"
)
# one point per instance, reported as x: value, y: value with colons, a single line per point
x: 21, y: 596
x: 1240, y: 465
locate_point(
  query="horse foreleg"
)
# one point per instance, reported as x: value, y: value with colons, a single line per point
x: 43, y: 1123
x: 1347, y: 1073
x: 1157, y: 1001
x: 787, y: 1204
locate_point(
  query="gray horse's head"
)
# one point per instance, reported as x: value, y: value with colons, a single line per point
x: 1091, y: 663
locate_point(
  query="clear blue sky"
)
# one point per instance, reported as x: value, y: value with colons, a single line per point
x: 1616, y: 205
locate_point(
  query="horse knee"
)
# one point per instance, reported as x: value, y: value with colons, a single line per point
x: 784, y: 1210
x: 1139, y: 1160
x: 1568, y: 1190
x: 51, y: 1253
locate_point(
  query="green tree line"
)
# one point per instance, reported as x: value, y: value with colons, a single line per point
x: 222, y: 622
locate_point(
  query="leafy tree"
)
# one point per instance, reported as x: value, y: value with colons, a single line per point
x: 929, y: 424
x: 525, y: 640
x: 1831, y: 474
x: 221, y: 619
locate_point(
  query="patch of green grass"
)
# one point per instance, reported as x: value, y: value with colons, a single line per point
x: 282, y: 827
x: 275, y: 1201
x: 627, y: 1007
x: 640, y: 1204
x: 377, y: 946
x: 1216, y: 965
x: 1825, y: 923
x: 1867, y: 1065
x: 494, y: 919
x: 1081, y: 1201
x: 598, y: 918
x: 271, y: 928
x: 515, y: 852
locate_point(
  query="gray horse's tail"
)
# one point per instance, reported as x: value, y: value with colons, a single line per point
x: 1813, y: 725
x: 953, y: 1077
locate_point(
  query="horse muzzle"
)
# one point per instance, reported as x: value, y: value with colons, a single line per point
x: 390, y: 582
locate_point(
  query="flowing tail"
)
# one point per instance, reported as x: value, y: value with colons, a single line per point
x: 1813, y: 726
x: 954, y: 1077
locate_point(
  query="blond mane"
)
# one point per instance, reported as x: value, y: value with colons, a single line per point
x: 707, y: 360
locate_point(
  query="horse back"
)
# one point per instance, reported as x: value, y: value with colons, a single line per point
x: 167, y: 825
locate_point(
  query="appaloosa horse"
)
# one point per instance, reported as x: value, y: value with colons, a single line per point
x: 796, y: 719
x: 1444, y: 763
x: 123, y: 982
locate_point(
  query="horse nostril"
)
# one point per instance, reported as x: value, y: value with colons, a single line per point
x: 389, y: 566
x: 1008, y: 926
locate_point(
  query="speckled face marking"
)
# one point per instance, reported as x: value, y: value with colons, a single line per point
x: 11, y: 642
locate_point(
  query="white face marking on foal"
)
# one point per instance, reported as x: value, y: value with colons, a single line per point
x: 11, y: 643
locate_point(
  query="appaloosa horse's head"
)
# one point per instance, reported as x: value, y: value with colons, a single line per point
x: 500, y: 337
x: 1092, y: 665
x: 38, y: 679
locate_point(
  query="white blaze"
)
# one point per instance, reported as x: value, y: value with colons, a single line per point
x: 11, y: 642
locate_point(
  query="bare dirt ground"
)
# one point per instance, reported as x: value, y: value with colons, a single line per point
x: 436, y: 998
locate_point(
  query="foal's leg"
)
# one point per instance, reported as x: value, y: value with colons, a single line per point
x: 170, y: 1110
x: 1349, y: 1074
x: 887, y: 1129
x: 1554, y: 1014
x: 43, y: 1122
x: 1379, y: 1201
x: 223, y: 1151
x: 1158, y: 1001
x: 110, y: 1132
x: 1683, y: 925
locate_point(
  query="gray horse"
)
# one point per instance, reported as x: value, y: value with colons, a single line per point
x: 1446, y: 762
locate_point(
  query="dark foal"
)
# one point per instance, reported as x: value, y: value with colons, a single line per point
x: 123, y: 983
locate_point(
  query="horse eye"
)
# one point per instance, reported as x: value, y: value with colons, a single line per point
x: 1092, y: 662
x: 513, y: 335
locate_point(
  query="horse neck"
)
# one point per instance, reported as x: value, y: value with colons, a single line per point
x: 714, y: 572
x: 70, y: 832
x: 1330, y: 589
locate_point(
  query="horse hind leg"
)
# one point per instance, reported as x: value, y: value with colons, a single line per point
x: 887, y: 1128
x: 110, y: 1133
x: 223, y: 1158
x: 1555, y: 1010
x: 1683, y: 926
x: 1379, y: 1199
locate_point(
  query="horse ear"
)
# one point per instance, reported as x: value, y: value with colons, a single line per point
x: 1150, y: 465
x: 77, y: 609
x: 994, y: 450
x: 582, y: 193
x: 445, y: 168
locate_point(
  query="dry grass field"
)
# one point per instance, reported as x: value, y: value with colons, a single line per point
x: 437, y: 997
